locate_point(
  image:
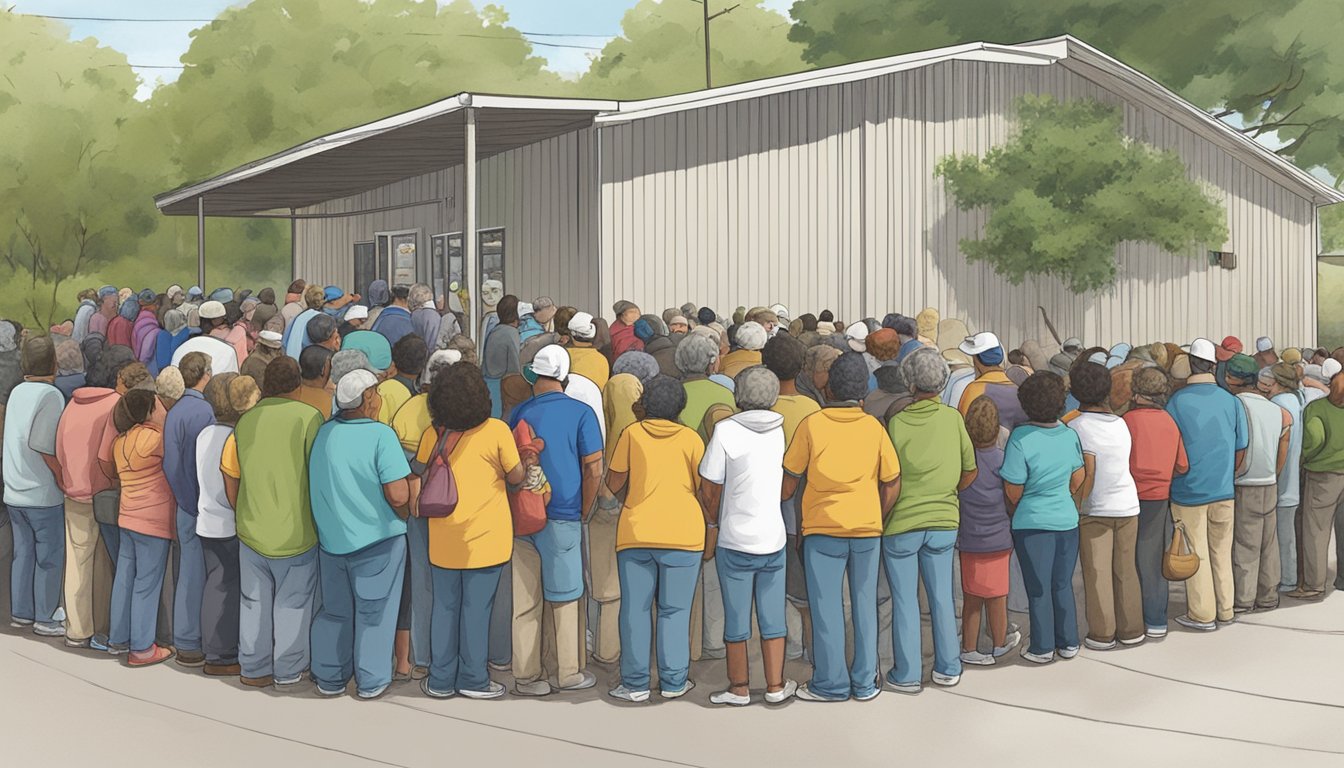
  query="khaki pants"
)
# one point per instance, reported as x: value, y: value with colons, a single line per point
x: 528, y: 614
x: 1111, y: 577
x: 88, y: 574
x: 1322, y: 493
x: 606, y: 585
x: 1255, y: 547
x: 1210, y: 593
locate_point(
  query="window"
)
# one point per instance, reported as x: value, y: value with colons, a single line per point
x: 366, y: 266
x: 489, y: 247
x: 398, y: 253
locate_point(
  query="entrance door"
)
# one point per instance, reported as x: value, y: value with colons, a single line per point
x: 398, y: 256
x: 367, y: 267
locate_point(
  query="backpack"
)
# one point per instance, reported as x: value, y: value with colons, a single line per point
x: 438, y: 494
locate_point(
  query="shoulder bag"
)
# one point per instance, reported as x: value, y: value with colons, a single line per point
x: 438, y: 495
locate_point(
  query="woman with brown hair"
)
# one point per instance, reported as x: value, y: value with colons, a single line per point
x: 985, y: 541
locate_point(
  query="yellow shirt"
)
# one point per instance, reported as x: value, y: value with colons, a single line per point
x: 845, y: 453
x: 590, y: 364
x: 411, y: 420
x: 479, y: 533
x: 661, y: 509
x: 394, y: 394
x: 794, y: 408
x: 618, y: 402
x: 740, y: 360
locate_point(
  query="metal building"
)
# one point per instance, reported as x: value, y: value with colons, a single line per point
x: 816, y: 190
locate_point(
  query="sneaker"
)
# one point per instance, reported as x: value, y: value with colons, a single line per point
x: 625, y: 694
x: 1130, y: 642
x: 72, y: 643
x: 730, y: 699
x: 375, y: 693
x: 805, y: 693
x: 419, y: 673
x: 677, y: 694
x: 492, y: 690
x: 1228, y: 622
x: 1037, y: 658
x: 20, y: 623
x: 433, y: 694
x: 1097, y: 645
x: 977, y: 658
x: 1297, y: 593
x: 946, y: 681
x: 156, y: 654
x: 870, y: 695
x: 98, y: 643
x: 1155, y: 633
x: 534, y: 688
x: 190, y: 659
x: 117, y: 649
x: 1201, y: 626
x: 330, y: 692
x: 48, y: 629
x: 586, y: 680
x: 283, y: 682
x: 1067, y: 652
x: 783, y: 694
x: 1010, y: 642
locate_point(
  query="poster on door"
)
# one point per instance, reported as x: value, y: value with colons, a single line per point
x: 403, y: 259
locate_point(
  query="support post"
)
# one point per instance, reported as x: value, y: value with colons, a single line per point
x: 293, y: 246
x: 200, y: 242
x: 470, y: 257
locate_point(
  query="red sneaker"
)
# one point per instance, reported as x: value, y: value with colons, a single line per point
x: 155, y: 655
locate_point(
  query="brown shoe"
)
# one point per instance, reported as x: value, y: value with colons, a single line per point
x: 257, y: 682
x: 156, y: 654
x: 190, y: 659
x: 1305, y: 594
x: 222, y: 670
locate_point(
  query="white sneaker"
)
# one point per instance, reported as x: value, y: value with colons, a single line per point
x: 433, y: 694
x: 1156, y: 633
x: 330, y: 693
x: 869, y: 696
x: 909, y: 689
x: 977, y: 658
x: 1097, y: 645
x: 685, y: 689
x: 492, y: 691
x: 783, y: 694
x: 1201, y: 626
x: 625, y: 694
x: 1010, y: 642
x: 805, y: 693
x: 946, y: 681
x: 534, y: 688
x: 1037, y: 658
x: 1133, y: 641
x: 1067, y: 653
x: 729, y: 698
x: 586, y: 680
x: 49, y: 629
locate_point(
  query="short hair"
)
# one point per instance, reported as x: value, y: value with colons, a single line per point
x: 458, y: 398
x: 849, y: 377
x: 883, y: 344
x: 314, y: 296
x: 755, y: 389
x: 105, y: 370
x: 217, y: 395
x: 313, y: 361
x: 982, y: 421
x: 169, y: 385
x: 38, y: 357
x: 695, y: 354
x: 562, y: 317
x: 1042, y: 396
x: 321, y: 328
x: 69, y: 357
x: 348, y: 360
x: 783, y: 355
x: 1090, y: 383
x: 1199, y: 365
x: 281, y: 377
x: 297, y: 286
x: 1152, y: 383
x: 826, y: 316
x: 467, y: 347
x: 507, y: 309
x: 134, y: 374
x: 809, y: 321
x: 409, y: 355
x: 1017, y: 357
x: 401, y: 291
x: 135, y: 407
x: 890, y: 380
x: 705, y: 316
x: 420, y: 293
x: 925, y: 371
x: 751, y: 335
x: 194, y: 366
x: 641, y: 365
x: 664, y: 398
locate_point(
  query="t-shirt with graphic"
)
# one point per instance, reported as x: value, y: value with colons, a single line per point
x: 661, y: 510
x: 845, y: 454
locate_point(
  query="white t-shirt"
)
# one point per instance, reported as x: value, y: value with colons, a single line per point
x: 214, y: 516
x: 222, y: 357
x: 746, y: 457
x: 1106, y: 437
x: 583, y: 389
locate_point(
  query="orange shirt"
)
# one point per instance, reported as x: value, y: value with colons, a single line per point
x: 147, y: 503
x: 315, y: 396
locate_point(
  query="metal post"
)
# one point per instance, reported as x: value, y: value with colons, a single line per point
x: 471, y: 264
x: 293, y: 246
x: 704, y: 5
x: 200, y: 242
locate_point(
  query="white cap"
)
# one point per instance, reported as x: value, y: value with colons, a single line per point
x: 856, y: 334
x: 269, y: 338
x: 525, y: 308
x: 981, y: 342
x: 357, y: 312
x: 782, y: 312
x: 552, y: 361
x: 1330, y: 367
x: 678, y: 320
x: 1264, y: 344
x: 1204, y: 350
x: 350, y: 391
x: 581, y: 325
x: 211, y: 310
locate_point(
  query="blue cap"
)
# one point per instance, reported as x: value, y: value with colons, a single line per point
x: 373, y: 345
x: 107, y: 290
x: 146, y: 296
x: 222, y: 295
x: 195, y: 290
x: 332, y: 293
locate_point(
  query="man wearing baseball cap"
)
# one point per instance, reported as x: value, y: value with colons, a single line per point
x: 267, y: 349
x: 1265, y: 356
x: 223, y: 358
x: 1230, y: 346
x: 987, y: 355
x: 584, y: 359
x: 548, y: 565
x: 1214, y: 426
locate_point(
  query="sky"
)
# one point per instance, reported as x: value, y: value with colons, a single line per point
x: 151, y: 45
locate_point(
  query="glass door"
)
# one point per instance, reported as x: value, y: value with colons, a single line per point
x: 398, y: 256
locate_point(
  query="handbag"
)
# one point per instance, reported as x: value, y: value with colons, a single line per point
x: 105, y: 506
x: 438, y: 495
x: 528, y: 503
x: 1179, y: 562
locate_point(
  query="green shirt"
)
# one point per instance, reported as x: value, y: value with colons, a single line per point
x: 1323, y: 437
x: 273, y: 440
x: 931, y: 441
x: 701, y: 395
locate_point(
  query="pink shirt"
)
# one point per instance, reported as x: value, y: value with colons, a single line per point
x: 84, y: 434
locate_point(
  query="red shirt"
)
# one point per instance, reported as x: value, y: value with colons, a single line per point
x: 1158, y: 452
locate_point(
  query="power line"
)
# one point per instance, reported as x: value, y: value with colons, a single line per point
x: 111, y: 18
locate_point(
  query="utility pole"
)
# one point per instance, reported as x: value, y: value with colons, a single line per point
x: 704, y: 5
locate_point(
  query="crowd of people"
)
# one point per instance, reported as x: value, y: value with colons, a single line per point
x: 352, y: 490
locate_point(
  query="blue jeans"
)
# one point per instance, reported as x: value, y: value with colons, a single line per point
x: 826, y: 559
x: 1048, y: 559
x: 141, y: 562
x: 275, y: 613
x: 560, y: 546
x: 354, y: 631
x: 190, y: 586
x: 461, y: 627
x: 740, y: 577
x: 422, y: 588
x: 669, y: 576
x: 910, y: 557
x: 39, y: 562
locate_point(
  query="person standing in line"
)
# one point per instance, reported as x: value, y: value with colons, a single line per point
x: 1281, y: 384
x: 265, y: 466
x: 1323, y: 491
x: 394, y: 321
x: 107, y: 309
x: 499, y: 356
x: 587, y: 361
x: 990, y: 379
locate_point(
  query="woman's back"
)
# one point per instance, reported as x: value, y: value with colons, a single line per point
x: 1042, y: 459
x: 146, y: 505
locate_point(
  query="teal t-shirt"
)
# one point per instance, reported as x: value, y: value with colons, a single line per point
x: 1041, y: 460
x: 350, y: 462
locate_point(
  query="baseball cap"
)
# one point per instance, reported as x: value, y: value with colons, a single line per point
x: 195, y: 290
x: 332, y: 293
x: 357, y: 312
x: 212, y: 310
x: 146, y: 296
x: 980, y: 342
x: 1291, y: 355
x: 373, y: 345
x: 350, y: 391
x: 857, y: 336
x: 525, y: 308
x: 269, y: 339
x: 1204, y: 350
x: 1073, y: 342
x: 1242, y: 367
x: 552, y: 361
x: 1264, y: 344
x: 781, y: 312
x: 1329, y: 368
x: 1231, y: 345
x: 581, y: 326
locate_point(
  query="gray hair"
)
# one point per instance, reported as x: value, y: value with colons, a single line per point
x: 849, y: 377
x: 420, y: 293
x: 751, y: 335
x: 890, y: 379
x: 348, y: 360
x: 756, y: 389
x: 695, y: 354
x: 174, y: 320
x: 641, y: 365
x: 924, y: 371
x: 169, y: 383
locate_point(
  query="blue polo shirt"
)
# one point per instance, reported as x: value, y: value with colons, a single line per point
x: 1213, y: 426
x: 569, y: 431
x: 184, y: 424
x: 393, y: 323
x: 351, y: 461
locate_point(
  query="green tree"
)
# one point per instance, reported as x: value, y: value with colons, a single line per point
x: 661, y: 49
x: 1069, y: 187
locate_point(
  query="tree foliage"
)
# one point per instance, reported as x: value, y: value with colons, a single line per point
x: 1069, y: 187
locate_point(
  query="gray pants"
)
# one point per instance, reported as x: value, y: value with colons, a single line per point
x: 1321, y: 494
x: 422, y: 588
x: 1285, y: 521
x: 1255, y: 547
x: 501, y: 620
x: 275, y: 613
x: 219, y: 600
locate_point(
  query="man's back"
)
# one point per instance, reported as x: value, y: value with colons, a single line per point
x: 1266, y: 422
x: 1213, y: 426
x: 31, y: 418
x: 268, y: 454
x: 570, y: 432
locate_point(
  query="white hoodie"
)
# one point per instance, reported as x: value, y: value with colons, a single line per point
x: 746, y: 457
